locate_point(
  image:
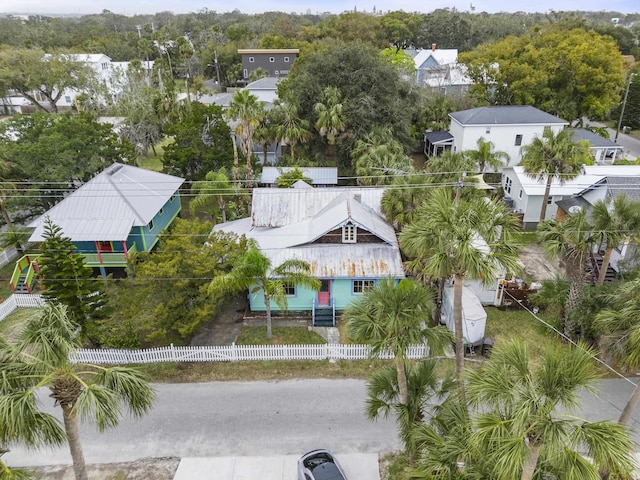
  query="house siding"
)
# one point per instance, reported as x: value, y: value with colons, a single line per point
x: 502, y: 136
x: 146, y: 238
x: 341, y: 293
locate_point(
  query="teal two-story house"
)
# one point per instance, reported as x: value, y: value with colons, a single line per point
x: 120, y: 211
x: 340, y: 232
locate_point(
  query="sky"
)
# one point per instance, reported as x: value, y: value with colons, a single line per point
x: 132, y: 7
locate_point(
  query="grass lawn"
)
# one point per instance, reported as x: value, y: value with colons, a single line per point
x: 5, y: 277
x: 154, y: 162
x: 280, y: 336
x: 10, y: 325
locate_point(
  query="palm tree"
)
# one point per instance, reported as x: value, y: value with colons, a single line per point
x: 15, y: 238
x: 393, y: 317
x: 379, y: 158
x: 41, y: 358
x: 331, y: 120
x: 471, y: 239
x: 554, y: 157
x: 449, y: 167
x: 621, y: 322
x: 255, y: 272
x: 485, y: 156
x: 571, y: 241
x: 265, y: 135
x: 212, y: 194
x: 403, y: 197
x: 423, y: 384
x: 289, y: 127
x: 523, y: 425
x: 247, y: 110
x: 614, y: 222
x: 36, y: 431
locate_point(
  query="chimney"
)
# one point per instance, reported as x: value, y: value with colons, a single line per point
x: 433, y: 47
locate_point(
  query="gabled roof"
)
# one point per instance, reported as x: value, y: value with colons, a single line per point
x: 277, y: 207
x: 442, y: 56
x: 506, y: 115
x: 110, y: 204
x: 295, y: 239
x: 595, y: 140
x: 318, y: 175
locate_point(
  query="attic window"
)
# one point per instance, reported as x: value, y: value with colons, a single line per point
x: 348, y: 233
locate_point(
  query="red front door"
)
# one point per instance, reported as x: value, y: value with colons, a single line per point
x: 324, y: 294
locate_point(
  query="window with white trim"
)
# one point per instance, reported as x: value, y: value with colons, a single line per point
x: 289, y: 289
x: 151, y: 225
x: 361, y: 286
x: 272, y: 59
x: 251, y: 59
x: 507, y: 185
x: 487, y: 131
x: 518, y: 140
x: 286, y: 59
x: 349, y: 233
x: 520, y: 194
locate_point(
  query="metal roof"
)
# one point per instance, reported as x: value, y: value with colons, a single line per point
x: 277, y: 207
x: 592, y: 174
x: 442, y: 56
x: 265, y: 83
x: 110, y: 204
x: 629, y: 186
x: 318, y: 175
x: 506, y: 115
x: 332, y: 260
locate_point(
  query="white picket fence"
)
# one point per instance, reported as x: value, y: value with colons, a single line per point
x: 224, y: 353
x: 19, y: 301
x: 235, y: 353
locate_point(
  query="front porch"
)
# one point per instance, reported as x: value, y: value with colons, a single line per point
x: 27, y: 269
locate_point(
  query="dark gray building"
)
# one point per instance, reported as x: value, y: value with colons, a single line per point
x: 277, y: 62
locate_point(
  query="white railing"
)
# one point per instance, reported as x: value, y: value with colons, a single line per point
x: 19, y: 301
x: 235, y: 353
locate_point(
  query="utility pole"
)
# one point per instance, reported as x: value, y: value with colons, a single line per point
x: 624, y: 104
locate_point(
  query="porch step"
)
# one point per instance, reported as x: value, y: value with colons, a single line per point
x: 323, y: 317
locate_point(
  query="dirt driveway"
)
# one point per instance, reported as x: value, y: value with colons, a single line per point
x: 537, y: 266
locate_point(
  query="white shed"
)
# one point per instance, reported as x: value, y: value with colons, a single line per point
x: 474, y: 316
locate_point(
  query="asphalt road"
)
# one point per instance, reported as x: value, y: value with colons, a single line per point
x: 631, y: 144
x: 265, y: 418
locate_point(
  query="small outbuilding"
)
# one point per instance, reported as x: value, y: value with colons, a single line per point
x: 474, y: 316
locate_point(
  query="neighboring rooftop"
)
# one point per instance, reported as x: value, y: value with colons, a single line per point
x: 110, y: 204
x: 317, y: 175
x: 506, y: 115
x: 594, y: 139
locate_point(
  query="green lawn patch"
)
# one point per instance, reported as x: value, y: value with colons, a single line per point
x: 281, y: 336
x: 10, y: 326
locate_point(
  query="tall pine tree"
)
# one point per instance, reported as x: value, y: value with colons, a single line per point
x: 67, y: 280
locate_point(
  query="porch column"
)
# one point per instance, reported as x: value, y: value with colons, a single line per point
x: 124, y: 249
x: 98, y: 251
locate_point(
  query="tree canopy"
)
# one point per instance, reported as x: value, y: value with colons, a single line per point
x: 570, y: 73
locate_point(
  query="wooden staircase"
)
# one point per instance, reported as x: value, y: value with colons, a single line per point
x: 323, y: 315
x: 596, y: 266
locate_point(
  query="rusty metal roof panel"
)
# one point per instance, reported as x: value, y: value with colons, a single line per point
x: 277, y: 207
x: 366, y: 260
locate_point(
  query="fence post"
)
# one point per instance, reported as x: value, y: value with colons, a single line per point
x: 173, y: 353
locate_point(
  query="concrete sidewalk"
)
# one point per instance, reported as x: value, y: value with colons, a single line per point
x: 357, y: 466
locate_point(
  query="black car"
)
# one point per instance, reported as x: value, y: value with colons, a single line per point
x: 319, y: 465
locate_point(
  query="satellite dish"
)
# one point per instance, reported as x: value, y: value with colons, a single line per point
x: 575, y: 209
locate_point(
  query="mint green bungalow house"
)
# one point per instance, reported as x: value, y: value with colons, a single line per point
x: 339, y: 231
x: 120, y: 211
